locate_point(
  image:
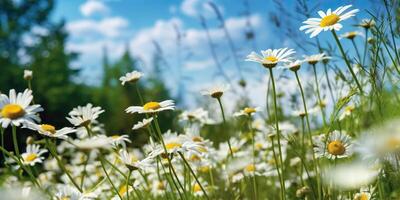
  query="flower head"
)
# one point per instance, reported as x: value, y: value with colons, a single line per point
x: 49, y: 130
x: 351, y: 35
x: 132, y: 162
x: 152, y: 107
x: 216, y: 91
x: 33, y: 155
x: 336, y: 145
x: 28, y: 74
x: 84, y: 115
x: 367, y: 23
x: 142, y: 124
x: 271, y: 57
x: 247, y: 111
x: 131, y: 77
x: 15, y: 109
x: 314, y: 59
x: 328, y: 21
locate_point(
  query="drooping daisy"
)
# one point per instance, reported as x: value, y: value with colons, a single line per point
x: 132, y: 162
x: 271, y: 57
x: 216, y: 91
x: 49, y: 130
x: 142, y: 124
x: 16, y: 109
x: 336, y: 145
x: 28, y: 74
x: 84, y: 115
x: 152, y: 107
x: 328, y: 21
x: 367, y: 23
x: 198, y: 115
x: 293, y: 65
x: 351, y: 35
x: 348, y: 110
x: 131, y: 77
x: 117, y: 140
x: 314, y: 59
x: 33, y: 155
x: 247, y: 111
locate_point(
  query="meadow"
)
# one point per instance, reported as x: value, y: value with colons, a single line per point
x: 338, y: 137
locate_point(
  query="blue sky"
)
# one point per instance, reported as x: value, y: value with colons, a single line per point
x: 135, y: 24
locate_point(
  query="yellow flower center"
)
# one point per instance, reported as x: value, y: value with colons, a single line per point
x: 272, y: 59
x: 197, y: 139
x: 235, y: 149
x: 173, y: 145
x: 351, y: 35
x: 122, y: 190
x: 329, y: 20
x: 65, y: 198
x: 196, y: 188
x: 48, y: 128
x: 393, y: 144
x: 12, y: 111
x: 31, y: 157
x: 250, y: 168
x: 349, y: 109
x: 336, y: 148
x: 160, y: 186
x: 249, y: 110
x: 363, y: 196
x: 204, y: 169
x: 115, y: 137
x: 194, y: 158
x: 151, y: 106
x: 258, y: 146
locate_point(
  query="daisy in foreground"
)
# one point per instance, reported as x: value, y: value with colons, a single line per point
x: 33, y: 155
x: 131, y: 77
x: 152, y: 107
x: 337, y: 145
x: 49, y: 130
x: 271, y: 57
x: 16, y: 109
x: 329, y: 21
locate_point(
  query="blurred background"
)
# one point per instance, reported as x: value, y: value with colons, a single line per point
x: 78, y: 49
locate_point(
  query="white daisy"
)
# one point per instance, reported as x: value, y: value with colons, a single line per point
x: 293, y: 65
x: 336, y: 145
x: 84, y: 115
x: 197, y: 115
x: 117, y: 140
x: 367, y: 23
x: 348, y: 110
x: 144, y: 123
x: 152, y: 107
x: 96, y: 142
x: 271, y: 57
x: 363, y: 195
x: 247, y: 111
x: 132, y: 162
x: 16, y: 109
x: 328, y: 21
x: 66, y: 192
x: 131, y: 77
x: 351, y: 35
x: 216, y: 91
x: 314, y: 59
x: 28, y: 74
x: 33, y: 155
x: 49, y: 130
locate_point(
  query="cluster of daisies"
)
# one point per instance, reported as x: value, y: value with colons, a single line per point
x: 82, y: 162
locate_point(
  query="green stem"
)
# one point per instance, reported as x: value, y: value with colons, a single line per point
x: 194, y: 175
x: 223, y: 117
x: 84, y: 169
x: 277, y: 131
x: 15, y: 141
x: 319, y: 94
x: 356, y: 48
x: 347, y: 61
x: 254, y: 158
x: 365, y: 46
x: 127, y: 184
x: 108, y: 177
x: 277, y: 167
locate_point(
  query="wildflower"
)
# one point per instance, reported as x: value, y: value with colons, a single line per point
x: 336, y: 145
x: 351, y: 35
x: 96, y: 142
x: 16, y: 109
x: 248, y: 111
x: 363, y: 195
x: 117, y: 140
x: 132, y: 162
x: 142, y: 124
x: 367, y: 23
x: 28, y: 74
x: 216, y: 91
x: 33, y: 155
x: 71, y: 193
x: 348, y: 110
x: 152, y: 107
x: 49, y: 130
x: 314, y: 59
x: 84, y: 115
x: 293, y: 65
x: 271, y: 57
x: 328, y: 21
x: 198, y: 115
x: 131, y: 77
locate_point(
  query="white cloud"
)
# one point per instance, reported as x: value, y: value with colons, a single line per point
x: 193, y: 8
x: 92, y: 7
x: 110, y: 27
x: 198, y: 64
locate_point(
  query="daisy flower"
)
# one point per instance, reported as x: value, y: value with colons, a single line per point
x: 28, y: 74
x: 96, y: 142
x: 216, y: 91
x: 271, y: 57
x: 117, y: 140
x: 49, y: 130
x: 293, y: 65
x: 367, y: 23
x: 16, y: 109
x: 152, y: 107
x: 197, y: 115
x: 348, y: 110
x: 351, y: 35
x: 131, y: 77
x: 328, y: 21
x: 142, y: 124
x: 132, y: 162
x: 363, y: 195
x: 84, y: 115
x: 247, y: 111
x: 314, y: 59
x: 336, y: 145
x: 33, y: 155
x: 71, y: 193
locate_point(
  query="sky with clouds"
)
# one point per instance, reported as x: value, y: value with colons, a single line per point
x: 140, y: 24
